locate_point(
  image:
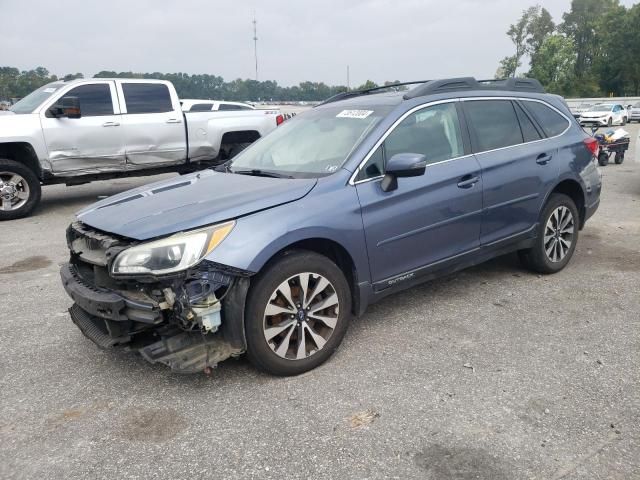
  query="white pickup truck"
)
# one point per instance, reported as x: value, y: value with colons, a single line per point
x: 95, y: 129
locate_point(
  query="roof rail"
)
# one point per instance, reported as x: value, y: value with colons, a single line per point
x: 357, y: 93
x: 470, y: 83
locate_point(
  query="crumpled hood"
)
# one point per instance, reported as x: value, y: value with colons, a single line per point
x: 190, y: 201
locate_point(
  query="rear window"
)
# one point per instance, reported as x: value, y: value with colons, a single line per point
x: 551, y: 121
x: 201, y: 107
x: 147, y: 98
x: 231, y: 107
x: 495, y: 124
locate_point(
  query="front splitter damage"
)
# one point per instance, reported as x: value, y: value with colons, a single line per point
x: 189, y: 322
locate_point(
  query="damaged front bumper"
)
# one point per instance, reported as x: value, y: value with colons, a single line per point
x: 189, y: 322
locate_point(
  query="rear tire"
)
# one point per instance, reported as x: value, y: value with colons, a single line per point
x: 619, y: 158
x: 557, y: 236
x: 20, y: 190
x: 298, y: 310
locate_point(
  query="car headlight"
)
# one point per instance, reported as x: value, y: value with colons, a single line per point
x: 172, y: 254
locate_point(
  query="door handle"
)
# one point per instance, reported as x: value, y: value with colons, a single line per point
x: 111, y: 124
x: 543, y: 159
x: 468, y: 181
x: 174, y: 120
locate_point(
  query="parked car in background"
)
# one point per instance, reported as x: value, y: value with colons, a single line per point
x: 604, y: 115
x: 84, y: 130
x: 634, y: 112
x: 189, y: 105
x: 583, y: 107
x: 368, y: 194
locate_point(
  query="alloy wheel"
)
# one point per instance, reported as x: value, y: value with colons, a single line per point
x: 14, y: 191
x: 558, y: 234
x: 301, y: 315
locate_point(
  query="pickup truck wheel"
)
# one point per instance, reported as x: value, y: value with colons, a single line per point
x: 19, y: 190
x: 557, y: 236
x: 298, y: 311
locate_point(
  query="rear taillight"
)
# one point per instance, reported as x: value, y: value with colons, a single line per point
x: 279, y: 119
x: 592, y: 145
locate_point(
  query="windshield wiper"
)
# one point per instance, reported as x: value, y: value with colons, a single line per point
x: 260, y: 173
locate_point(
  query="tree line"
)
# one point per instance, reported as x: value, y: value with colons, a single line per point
x: 594, y: 51
x: 17, y: 84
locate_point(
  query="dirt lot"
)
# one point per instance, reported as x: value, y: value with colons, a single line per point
x: 493, y: 373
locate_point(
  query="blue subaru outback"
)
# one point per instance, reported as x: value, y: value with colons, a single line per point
x: 372, y: 192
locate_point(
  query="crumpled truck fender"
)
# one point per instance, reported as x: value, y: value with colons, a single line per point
x: 25, y: 129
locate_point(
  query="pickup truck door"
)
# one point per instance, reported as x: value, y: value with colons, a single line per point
x: 92, y: 142
x: 154, y: 129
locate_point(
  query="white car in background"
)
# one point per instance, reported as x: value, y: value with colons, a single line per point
x: 604, y: 115
x: 634, y: 112
x: 583, y: 107
x: 191, y: 105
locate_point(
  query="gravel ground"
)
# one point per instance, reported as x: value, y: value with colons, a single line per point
x: 492, y: 373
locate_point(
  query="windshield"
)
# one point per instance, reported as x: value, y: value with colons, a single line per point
x: 315, y: 143
x: 584, y: 106
x: 601, y: 108
x: 32, y: 101
x: 637, y: 105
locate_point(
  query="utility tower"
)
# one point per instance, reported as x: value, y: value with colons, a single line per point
x: 255, y: 41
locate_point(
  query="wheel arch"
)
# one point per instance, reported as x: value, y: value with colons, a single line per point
x: 332, y: 250
x: 23, y: 153
x: 574, y: 190
x: 240, y: 136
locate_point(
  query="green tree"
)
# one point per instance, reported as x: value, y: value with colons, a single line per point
x: 367, y: 85
x: 555, y: 64
x: 580, y: 24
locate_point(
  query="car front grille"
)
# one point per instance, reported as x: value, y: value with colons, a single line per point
x: 92, y: 252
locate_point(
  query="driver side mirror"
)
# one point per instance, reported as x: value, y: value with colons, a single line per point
x: 67, y: 107
x: 402, y: 165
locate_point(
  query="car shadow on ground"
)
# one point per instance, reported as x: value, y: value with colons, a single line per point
x: 240, y: 371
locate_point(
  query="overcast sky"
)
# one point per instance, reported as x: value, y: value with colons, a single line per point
x: 298, y: 39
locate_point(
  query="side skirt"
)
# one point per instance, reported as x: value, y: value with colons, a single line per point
x: 454, y: 264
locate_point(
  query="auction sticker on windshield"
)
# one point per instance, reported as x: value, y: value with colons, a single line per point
x: 354, y: 114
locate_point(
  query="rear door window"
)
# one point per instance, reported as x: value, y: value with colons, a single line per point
x: 147, y: 98
x: 95, y: 99
x: 494, y: 123
x: 551, y: 121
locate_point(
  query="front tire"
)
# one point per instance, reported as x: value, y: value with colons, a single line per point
x: 19, y: 190
x: 557, y: 236
x: 610, y: 122
x: 298, y: 310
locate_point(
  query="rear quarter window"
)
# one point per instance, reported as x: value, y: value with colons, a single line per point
x: 552, y: 122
